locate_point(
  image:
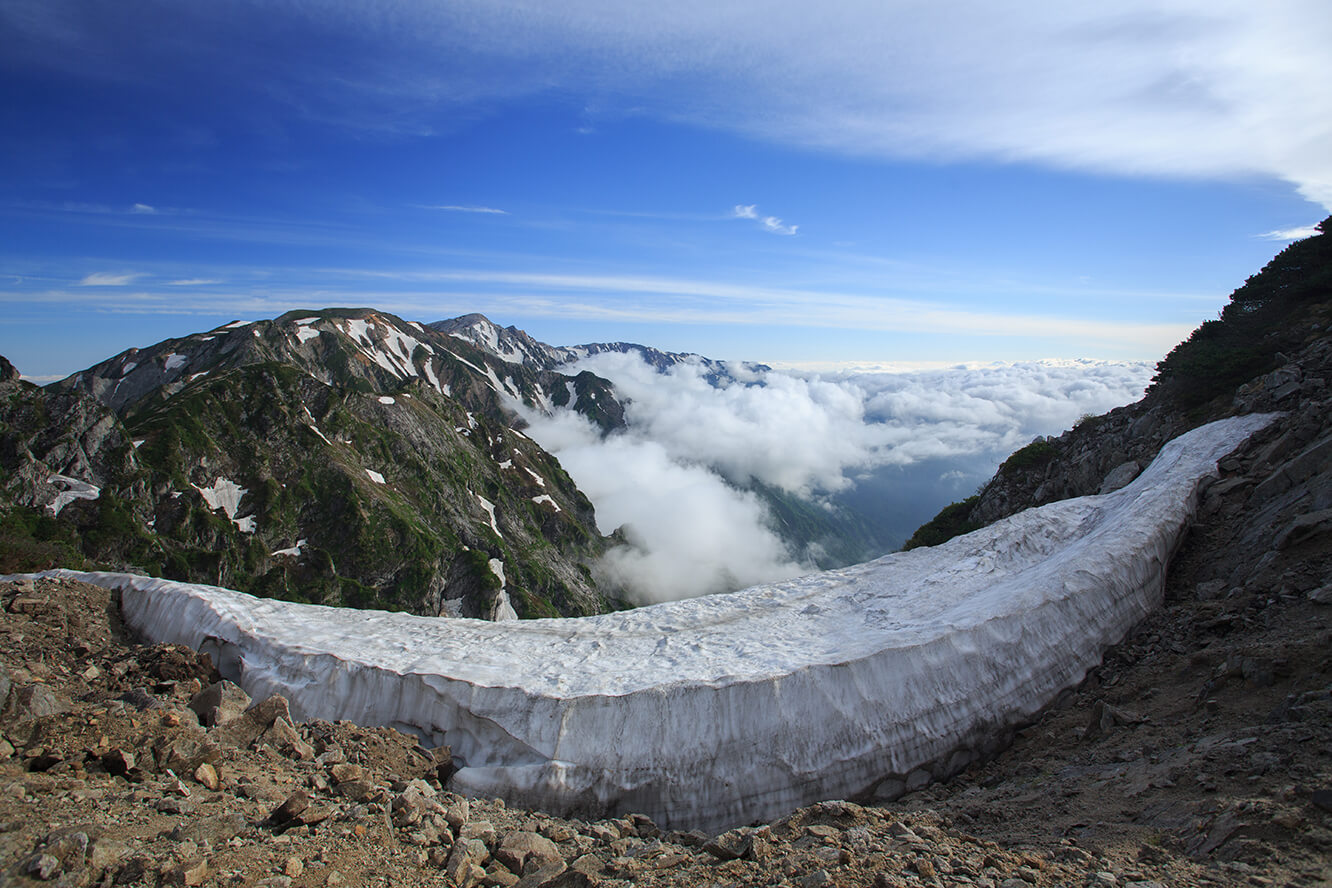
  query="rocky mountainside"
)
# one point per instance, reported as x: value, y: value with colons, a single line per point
x: 337, y: 457
x: 516, y: 346
x: 1199, y: 753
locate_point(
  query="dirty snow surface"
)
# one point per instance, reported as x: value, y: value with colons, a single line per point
x: 727, y: 709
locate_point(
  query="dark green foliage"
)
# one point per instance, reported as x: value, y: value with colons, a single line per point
x: 1269, y: 314
x: 31, y: 540
x: 951, y: 521
x: 1037, y: 453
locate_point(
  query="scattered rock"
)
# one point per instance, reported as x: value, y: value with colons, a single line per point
x: 118, y: 762
x: 519, y: 846
x: 731, y: 845
x: 250, y: 725
x: 206, y: 776
x: 35, y: 701
x: 219, y: 703
x: 290, y: 809
x: 1120, y: 476
x: 464, y: 865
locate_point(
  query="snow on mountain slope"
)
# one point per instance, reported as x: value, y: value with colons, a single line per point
x: 516, y: 346
x: 714, y: 711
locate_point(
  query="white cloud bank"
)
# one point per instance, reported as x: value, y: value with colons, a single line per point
x: 670, y: 479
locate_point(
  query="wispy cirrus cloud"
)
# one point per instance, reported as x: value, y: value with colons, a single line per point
x: 1290, y: 234
x: 451, y: 208
x: 193, y: 282
x: 110, y: 279
x: 767, y: 223
x: 143, y: 209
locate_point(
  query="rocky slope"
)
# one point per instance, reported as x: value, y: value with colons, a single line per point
x: 338, y: 457
x: 1199, y: 753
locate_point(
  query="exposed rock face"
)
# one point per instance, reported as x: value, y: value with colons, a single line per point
x: 340, y: 457
x: 65, y: 456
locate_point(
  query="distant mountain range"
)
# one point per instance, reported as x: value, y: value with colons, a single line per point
x: 342, y: 456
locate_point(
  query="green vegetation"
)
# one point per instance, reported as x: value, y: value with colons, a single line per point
x: 1037, y: 453
x: 1272, y: 312
x: 951, y: 521
x: 31, y: 540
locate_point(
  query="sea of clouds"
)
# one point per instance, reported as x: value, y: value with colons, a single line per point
x: 897, y: 445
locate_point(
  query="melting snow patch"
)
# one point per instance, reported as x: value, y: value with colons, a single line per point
x: 226, y: 494
x: 294, y: 551
x: 490, y: 510
x: 125, y: 371
x: 507, y: 464
x: 430, y: 376
x: 235, y: 324
x: 305, y: 334
x: 375, y: 476
x: 503, y: 609
x: 683, y: 711
x: 541, y: 482
x: 197, y: 376
x: 545, y: 498
x: 70, y: 489
x: 139, y: 443
x: 385, y: 399
x: 173, y: 361
x: 464, y: 360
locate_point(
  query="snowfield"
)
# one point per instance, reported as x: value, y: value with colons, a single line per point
x: 722, y: 710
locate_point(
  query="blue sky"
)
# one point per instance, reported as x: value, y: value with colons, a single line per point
x: 885, y: 183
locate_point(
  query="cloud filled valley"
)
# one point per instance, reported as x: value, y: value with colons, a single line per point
x: 889, y: 448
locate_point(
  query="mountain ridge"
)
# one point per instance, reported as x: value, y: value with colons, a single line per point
x: 342, y: 457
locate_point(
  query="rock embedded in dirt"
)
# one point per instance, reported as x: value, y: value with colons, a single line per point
x: 219, y: 703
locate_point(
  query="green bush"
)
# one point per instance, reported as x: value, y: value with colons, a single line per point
x: 1037, y: 453
x: 952, y: 520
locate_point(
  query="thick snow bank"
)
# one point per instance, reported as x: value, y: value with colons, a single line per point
x: 726, y: 709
